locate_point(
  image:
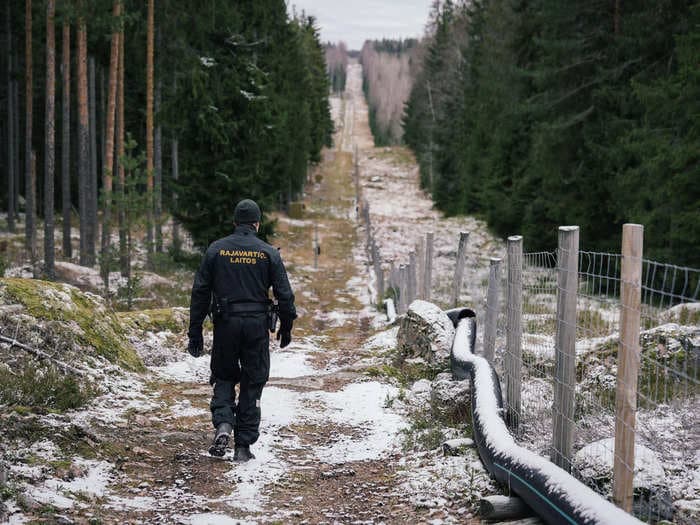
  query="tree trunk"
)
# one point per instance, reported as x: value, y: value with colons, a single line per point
x: 83, y: 143
x: 50, y: 140
x: 121, y: 180
x: 109, y: 148
x: 92, y: 173
x: 10, y: 126
x: 65, y: 145
x: 158, y: 145
x: 177, y: 243
x: 30, y: 232
x: 149, y: 129
x: 17, y: 139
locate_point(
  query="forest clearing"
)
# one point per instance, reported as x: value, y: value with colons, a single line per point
x: 489, y: 232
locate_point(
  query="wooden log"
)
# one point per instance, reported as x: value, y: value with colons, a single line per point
x: 565, y: 348
x: 43, y: 355
x: 503, y: 508
x: 628, y: 364
x: 513, y: 359
x: 459, y: 267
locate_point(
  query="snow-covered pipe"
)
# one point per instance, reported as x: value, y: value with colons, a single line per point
x: 390, y: 309
x: 554, y: 494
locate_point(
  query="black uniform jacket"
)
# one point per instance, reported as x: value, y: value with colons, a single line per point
x: 240, y: 268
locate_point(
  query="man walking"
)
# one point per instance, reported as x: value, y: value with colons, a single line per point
x: 237, y: 272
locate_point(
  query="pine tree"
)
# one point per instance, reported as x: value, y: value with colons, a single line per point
x: 83, y: 142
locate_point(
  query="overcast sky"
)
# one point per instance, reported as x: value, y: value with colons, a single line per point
x: 355, y: 21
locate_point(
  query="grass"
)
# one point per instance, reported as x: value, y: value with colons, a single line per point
x: 32, y: 387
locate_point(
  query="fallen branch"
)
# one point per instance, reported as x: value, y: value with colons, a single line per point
x: 43, y: 355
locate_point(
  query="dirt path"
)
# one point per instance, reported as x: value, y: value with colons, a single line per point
x: 330, y: 449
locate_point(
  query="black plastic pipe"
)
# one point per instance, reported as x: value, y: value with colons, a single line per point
x: 554, y: 494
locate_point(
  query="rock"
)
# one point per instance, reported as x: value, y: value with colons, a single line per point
x: 594, y: 463
x: 449, y: 399
x: 457, y: 446
x: 426, y: 331
x: 61, y: 519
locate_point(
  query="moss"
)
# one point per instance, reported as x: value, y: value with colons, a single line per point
x: 99, y: 327
x: 156, y: 320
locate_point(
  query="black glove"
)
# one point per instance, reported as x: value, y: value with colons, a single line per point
x: 284, y: 337
x: 196, y: 344
x: 284, y: 334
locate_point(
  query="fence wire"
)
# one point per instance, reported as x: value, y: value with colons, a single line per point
x: 667, y: 436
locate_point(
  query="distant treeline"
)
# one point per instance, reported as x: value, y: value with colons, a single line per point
x: 550, y: 112
x: 337, y: 65
x: 387, y: 69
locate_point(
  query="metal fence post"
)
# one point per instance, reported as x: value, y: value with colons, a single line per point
x: 627, y: 364
x: 428, y: 278
x: 565, y: 347
x: 492, y: 309
x: 459, y: 267
x: 513, y: 359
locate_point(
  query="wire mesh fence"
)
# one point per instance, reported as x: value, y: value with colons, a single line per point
x: 666, y: 433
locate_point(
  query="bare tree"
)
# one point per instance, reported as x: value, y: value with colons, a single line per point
x: 83, y: 142
x: 107, y: 175
x: 65, y: 144
x: 50, y: 140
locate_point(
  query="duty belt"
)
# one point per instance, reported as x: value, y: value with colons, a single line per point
x: 225, y: 308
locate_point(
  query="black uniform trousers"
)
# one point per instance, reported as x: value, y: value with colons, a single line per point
x: 241, y: 355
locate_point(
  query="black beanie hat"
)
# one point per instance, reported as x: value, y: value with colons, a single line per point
x: 246, y: 212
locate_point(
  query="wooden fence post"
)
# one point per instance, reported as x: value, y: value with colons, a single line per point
x: 459, y: 267
x: 428, y: 278
x: 402, y: 289
x: 492, y: 309
x: 513, y: 359
x: 565, y: 348
x: 420, y: 269
x: 628, y: 364
x: 411, y: 277
x: 378, y: 272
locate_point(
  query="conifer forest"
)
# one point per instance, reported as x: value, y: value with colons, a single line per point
x: 533, y: 114
x: 116, y: 112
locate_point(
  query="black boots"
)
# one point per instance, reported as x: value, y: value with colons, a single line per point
x: 242, y: 453
x: 218, y: 447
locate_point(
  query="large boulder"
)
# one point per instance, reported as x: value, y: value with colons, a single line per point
x: 426, y: 332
